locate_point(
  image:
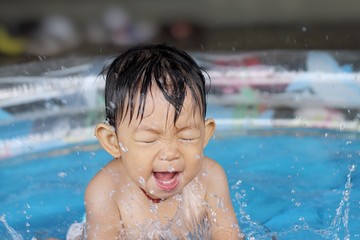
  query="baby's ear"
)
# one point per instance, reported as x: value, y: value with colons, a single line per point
x: 107, y: 137
x: 209, y: 130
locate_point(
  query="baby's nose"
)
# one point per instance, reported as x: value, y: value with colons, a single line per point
x: 169, y: 152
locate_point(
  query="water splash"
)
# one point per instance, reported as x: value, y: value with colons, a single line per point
x: 338, y: 229
x: 7, y: 232
x: 342, y: 212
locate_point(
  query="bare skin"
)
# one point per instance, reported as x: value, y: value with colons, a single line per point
x: 154, y: 161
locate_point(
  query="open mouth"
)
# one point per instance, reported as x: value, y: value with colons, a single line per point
x: 166, y: 180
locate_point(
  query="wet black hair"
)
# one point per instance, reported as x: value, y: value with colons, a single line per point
x: 133, y: 73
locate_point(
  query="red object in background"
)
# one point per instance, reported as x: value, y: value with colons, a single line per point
x: 248, y: 61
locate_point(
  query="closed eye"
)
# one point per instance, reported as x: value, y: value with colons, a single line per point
x: 189, y: 135
x: 188, y: 139
x: 146, y: 141
x: 146, y: 137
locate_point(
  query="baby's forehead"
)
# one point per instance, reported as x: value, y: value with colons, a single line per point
x: 156, y: 104
x: 183, y: 122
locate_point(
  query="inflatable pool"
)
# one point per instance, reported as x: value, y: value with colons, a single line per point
x: 288, y: 135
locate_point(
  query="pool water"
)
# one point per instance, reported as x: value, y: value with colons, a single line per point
x: 285, y: 184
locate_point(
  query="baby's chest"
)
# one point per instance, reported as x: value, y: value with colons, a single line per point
x: 135, y: 213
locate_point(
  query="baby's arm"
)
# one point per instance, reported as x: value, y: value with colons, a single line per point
x: 102, y: 213
x: 220, y: 211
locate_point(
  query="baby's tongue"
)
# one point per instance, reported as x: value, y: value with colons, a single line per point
x: 164, y: 175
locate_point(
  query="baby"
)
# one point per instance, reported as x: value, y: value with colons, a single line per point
x: 159, y: 184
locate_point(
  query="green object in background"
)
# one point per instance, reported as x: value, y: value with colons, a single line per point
x: 248, y: 108
x: 10, y: 45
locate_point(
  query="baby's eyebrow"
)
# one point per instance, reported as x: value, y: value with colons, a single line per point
x: 146, y: 128
x: 157, y: 130
x: 187, y: 127
x: 190, y: 127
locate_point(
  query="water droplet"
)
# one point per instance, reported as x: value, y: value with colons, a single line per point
x: 107, y: 122
x: 153, y: 208
x: 62, y: 174
x: 141, y: 180
x: 112, y: 105
x: 304, y: 29
x: 171, y: 169
x: 352, y: 168
x: 178, y: 197
x: 123, y: 148
x: 111, y: 193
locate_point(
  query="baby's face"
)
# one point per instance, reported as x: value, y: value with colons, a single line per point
x: 160, y: 157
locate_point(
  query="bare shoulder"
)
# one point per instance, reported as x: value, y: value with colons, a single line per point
x: 101, y: 185
x: 211, y: 164
x: 102, y: 210
x: 213, y: 175
x: 101, y: 178
x: 213, y: 169
x: 224, y: 225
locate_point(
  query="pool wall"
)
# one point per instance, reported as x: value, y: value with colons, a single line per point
x: 52, y: 103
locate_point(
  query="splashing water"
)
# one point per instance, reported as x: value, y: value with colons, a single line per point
x: 7, y: 232
x: 337, y: 230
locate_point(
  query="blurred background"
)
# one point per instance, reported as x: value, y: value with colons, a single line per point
x: 41, y: 28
